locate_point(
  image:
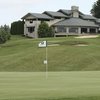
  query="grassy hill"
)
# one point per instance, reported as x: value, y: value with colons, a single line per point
x: 22, y: 54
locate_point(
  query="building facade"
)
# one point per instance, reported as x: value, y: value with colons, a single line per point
x: 64, y: 22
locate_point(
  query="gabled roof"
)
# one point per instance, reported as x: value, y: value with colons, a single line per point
x: 68, y: 12
x: 55, y: 14
x: 88, y: 17
x: 37, y: 16
x: 76, y: 22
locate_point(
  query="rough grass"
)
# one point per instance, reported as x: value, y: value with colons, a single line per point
x: 22, y: 54
x: 58, y: 86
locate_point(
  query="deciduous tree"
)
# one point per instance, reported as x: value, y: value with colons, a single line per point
x: 96, y: 9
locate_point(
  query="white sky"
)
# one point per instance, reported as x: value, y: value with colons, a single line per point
x: 13, y: 10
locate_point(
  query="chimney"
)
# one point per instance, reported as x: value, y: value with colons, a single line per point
x: 75, y: 11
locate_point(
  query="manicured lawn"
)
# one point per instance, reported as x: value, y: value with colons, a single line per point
x: 22, y: 54
x: 58, y: 86
x: 74, y: 71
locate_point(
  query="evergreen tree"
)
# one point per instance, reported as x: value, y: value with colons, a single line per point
x: 17, y: 28
x: 96, y: 9
x: 44, y: 30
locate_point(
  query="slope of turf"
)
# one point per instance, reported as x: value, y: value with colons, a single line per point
x: 22, y: 54
x: 58, y: 86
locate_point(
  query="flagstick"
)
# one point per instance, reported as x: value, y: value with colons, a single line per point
x: 46, y: 63
x: 44, y: 44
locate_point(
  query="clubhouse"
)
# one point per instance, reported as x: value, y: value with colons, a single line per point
x: 64, y: 22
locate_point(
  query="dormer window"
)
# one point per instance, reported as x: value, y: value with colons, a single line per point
x: 31, y: 21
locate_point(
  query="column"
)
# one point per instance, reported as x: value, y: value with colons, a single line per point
x: 88, y: 30
x: 67, y: 30
x: 55, y: 31
x: 36, y: 28
x: 96, y: 30
x: 79, y: 30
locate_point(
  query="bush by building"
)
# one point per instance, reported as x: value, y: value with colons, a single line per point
x: 44, y: 30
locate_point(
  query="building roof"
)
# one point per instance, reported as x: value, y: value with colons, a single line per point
x: 76, y: 22
x: 37, y: 16
x: 88, y: 17
x: 55, y: 14
x: 98, y: 20
x: 68, y: 12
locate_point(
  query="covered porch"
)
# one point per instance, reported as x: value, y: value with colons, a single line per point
x: 63, y: 30
x: 75, y: 26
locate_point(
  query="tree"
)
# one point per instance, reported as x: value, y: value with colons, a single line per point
x: 50, y: 32
x: 44, y: 30
x: 4, y: 36
x: 6, y: 28
x: 17, y: 28
x: 95, y: 11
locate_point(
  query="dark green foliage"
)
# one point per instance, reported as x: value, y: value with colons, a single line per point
x: 51, y: 32
x: 17, y: 28
x: 4, y: 36
x: 44, y: 30
x: 96, y: 9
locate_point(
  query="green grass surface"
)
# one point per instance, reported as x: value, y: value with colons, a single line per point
x: 22, y: 54
x: 58, y: 86
x: 73, y: 70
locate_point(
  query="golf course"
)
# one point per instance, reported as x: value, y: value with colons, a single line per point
x: 73, y: 69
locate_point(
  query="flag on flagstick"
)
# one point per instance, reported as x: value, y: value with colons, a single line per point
x: 42, y: 44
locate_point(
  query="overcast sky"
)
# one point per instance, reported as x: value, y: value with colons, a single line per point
x: 13, y: 10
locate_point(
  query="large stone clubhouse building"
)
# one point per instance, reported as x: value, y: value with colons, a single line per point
x: 64, y: 22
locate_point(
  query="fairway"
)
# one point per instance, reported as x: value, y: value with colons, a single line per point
x: 23, y: 55
x: 58, y: 86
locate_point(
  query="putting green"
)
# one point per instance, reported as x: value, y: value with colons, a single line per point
x: 35, y: 86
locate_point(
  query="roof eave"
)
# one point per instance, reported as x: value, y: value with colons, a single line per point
x: 24, y: 17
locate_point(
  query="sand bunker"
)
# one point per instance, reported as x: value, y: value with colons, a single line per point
x: 51, y: 45
x: 81, y: 45
x: 88, y: 36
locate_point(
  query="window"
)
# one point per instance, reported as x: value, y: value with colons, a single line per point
x: 61, y: 29
x: 31, y: 21
x: 92, y: 30
x: 73, y: 30
x: 31, y: 29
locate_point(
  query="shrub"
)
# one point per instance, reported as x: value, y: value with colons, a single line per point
x: 44, y: 30
x: 4, y: 36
